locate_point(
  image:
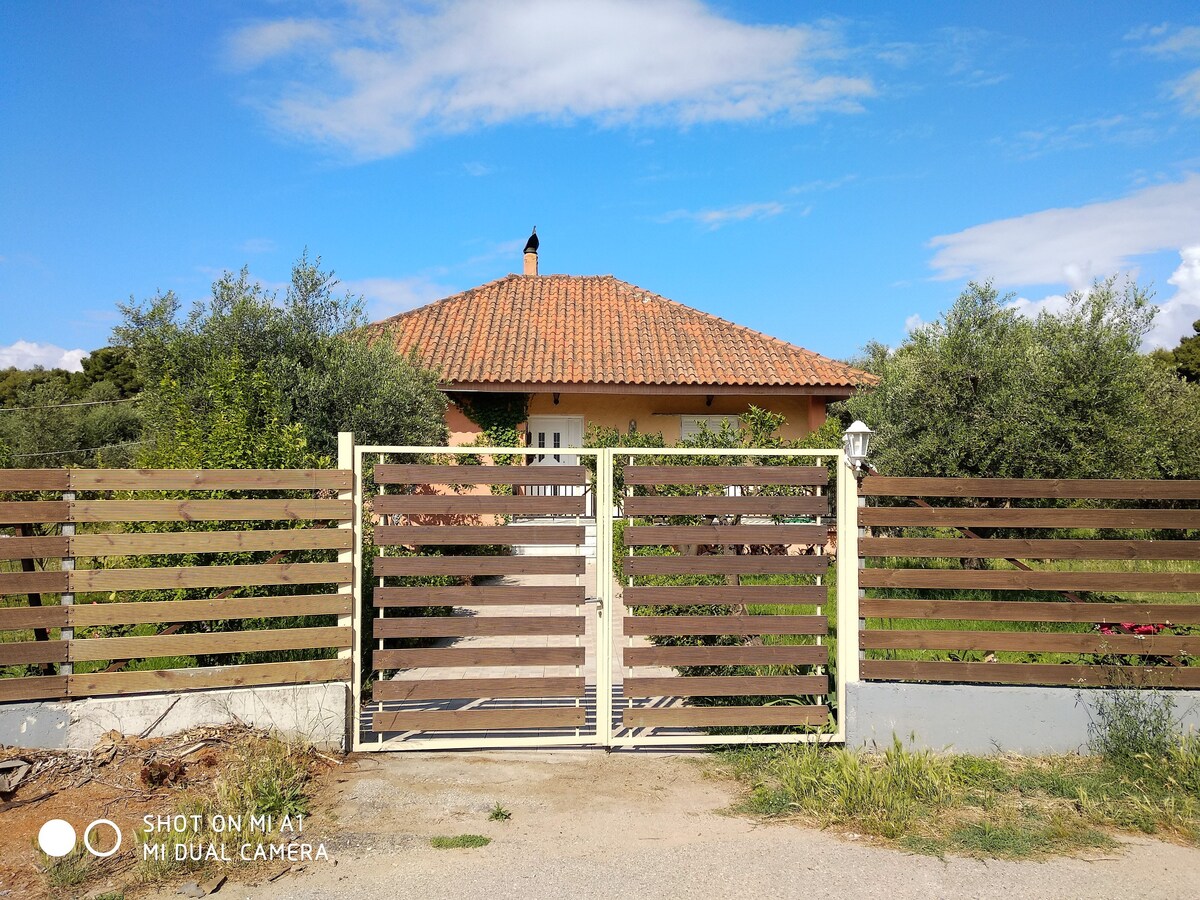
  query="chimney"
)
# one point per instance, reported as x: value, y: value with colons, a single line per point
x: 531, y: 249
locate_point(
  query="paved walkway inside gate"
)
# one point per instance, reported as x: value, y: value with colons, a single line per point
x: 589, y: 640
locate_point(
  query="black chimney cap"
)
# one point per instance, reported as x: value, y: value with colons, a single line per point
x: 531, y: 245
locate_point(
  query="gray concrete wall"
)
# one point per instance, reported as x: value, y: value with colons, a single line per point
x: 982, y: 718
x: 313, y: 712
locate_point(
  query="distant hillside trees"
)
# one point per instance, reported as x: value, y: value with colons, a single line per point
x: 985, y: 391
x: 52, y: 417
x: 1186, y: 357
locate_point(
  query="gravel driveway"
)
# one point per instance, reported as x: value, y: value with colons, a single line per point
x: 586, y: 824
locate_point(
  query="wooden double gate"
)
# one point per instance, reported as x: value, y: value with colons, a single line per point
x: 641, y: 597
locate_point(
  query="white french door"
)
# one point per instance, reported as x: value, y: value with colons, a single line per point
x: 552, y: 433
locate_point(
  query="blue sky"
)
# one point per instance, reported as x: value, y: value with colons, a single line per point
x: 828, y: 173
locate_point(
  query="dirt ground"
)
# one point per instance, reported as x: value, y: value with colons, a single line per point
x: 586, y: 824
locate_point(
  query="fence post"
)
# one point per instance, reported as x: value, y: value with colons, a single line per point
x: 604, y: 582
x: 353, y: 524
x: 67, y: 598
x: 847, y: 585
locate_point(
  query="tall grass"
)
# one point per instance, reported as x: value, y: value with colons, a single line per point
x: 1144, y: 776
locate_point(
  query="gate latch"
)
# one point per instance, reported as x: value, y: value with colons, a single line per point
x: 599, y: 604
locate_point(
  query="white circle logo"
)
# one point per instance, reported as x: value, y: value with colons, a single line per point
x: 57, y: 838
x: 87, y: 838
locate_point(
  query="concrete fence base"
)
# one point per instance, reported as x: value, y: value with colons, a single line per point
x: 983, y: 718
x: 316, y: 713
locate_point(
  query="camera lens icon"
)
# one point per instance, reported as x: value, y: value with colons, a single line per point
x: 57, y: 838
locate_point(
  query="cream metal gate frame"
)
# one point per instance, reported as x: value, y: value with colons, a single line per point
x: 606, y: 732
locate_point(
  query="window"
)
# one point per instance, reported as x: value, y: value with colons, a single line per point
x: 689, y: 425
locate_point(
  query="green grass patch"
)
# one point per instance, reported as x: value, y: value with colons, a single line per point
x: 459, y: 841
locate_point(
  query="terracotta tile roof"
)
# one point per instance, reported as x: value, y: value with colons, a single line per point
x: 574, y: 329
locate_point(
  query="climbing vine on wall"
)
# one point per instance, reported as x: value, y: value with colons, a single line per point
x: 497, y: 415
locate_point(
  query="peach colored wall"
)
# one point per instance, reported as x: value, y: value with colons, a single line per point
x: 656, y: 412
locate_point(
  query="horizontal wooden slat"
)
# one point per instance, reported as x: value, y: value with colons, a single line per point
x: 423, y: 504
x: 481, y: 719
x: 480, y: 565
x: 739, y: 475
x: 477, y: 688
x: 207, y: 510
x: 89, y: 614
x: 752, y: 505
x: 1031, y: 518
x: 14, y: 653
x: 775, y: 655
x: 1058, y: 488
x: 726, y: 595
x: 727, y: 686
x: 41, y: 687
x: 473, y: 657
x: 18, y: 618
x: 211, y: 541
x: 712, y: 564
x: 1020, y: 611
x: 429, y: 535
x: 1030, y: 642
x: 32, y: 547
x: 415, y: 474
x: 683, y: 625
x: 102, y: 684
x: 208, y: 576
x: 212, y: 642
x: 459, y: 626
x: 652, y: 535
x: 208, y: 479
x: 31, y: 512
x: 32, y: 583
x: 700, y: 716
x: 491, y: 595
x: 1005, y: 548
x: 1015, y: 580
x: 1030, y: 673
x: 34, y: 479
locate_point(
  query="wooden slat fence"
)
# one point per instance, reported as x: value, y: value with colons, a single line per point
x: 1024, y: 581
x: 746, y: 656
x: 72, y: 611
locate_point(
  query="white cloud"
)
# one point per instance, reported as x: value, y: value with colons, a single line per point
x: 1075, y: 244
x: 255, y: 44
x: 389, y: 296
x: 27, y: 354
x: 1161, y: 40
x: 1054, y: 305
x: 478, y: 169
x: 383, y: 77
x: 713, y: 219
x: 1168, y: 42
x: 1187, y: 91
x: 914, y: 323
x: 1176, y: 314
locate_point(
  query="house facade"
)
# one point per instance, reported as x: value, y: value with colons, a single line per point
x: 597, y: 350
